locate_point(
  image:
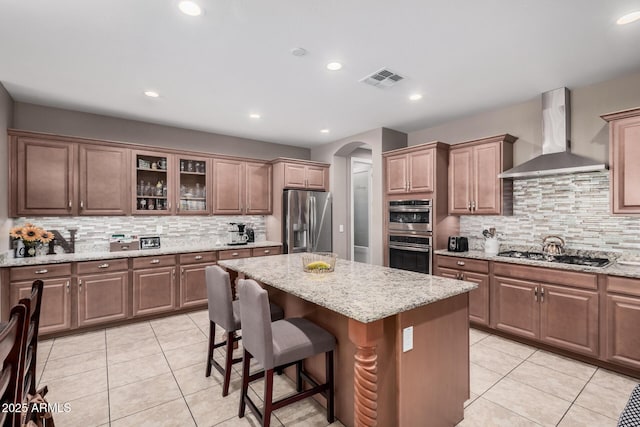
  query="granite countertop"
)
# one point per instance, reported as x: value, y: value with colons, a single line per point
x: 614, y: 268
x: 359, y: 291
x: 96, y: 256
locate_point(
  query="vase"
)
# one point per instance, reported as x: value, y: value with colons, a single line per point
x: 19, y: 249
x: 30, y: 249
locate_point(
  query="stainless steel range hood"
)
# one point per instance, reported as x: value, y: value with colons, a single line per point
x: 556, y: 158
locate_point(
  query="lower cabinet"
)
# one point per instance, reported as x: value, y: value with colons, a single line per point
x: 622, y: 340
x: 154, y: 290
x: 55, y: 311
x: 102, y: 298
x: 557, y: 315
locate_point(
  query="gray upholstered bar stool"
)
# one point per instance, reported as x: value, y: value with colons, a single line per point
x: 278, y: 345
x: 225, y: 312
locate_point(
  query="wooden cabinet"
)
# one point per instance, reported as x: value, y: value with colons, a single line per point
x: 525, y: 303
x: 103, y: 292
x: 624, y: 152
x: 242, y: 187
x: 154, y: 284
x: 474, y: 186
x: 192, y: 185
x: 55, y: 315
x: 153, y: 175
x: 306, y: 176
x: 475, y: 271
x: 193, y: 285
x: 42, y: 177
x: 622, y: 317
x: 104, y: 180
x: 411, y: 172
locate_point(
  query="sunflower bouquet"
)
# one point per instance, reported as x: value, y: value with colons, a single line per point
x: 31, y: 237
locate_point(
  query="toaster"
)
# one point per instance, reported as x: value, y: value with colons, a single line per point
x: 458, y: 244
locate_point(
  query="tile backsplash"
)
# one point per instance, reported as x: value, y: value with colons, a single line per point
x: 574, y: 207
x: 94, y: 231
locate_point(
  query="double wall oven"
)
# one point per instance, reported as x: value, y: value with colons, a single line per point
x: 410, y: 227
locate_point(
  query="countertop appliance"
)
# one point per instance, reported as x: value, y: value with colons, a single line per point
x: 150, y: 242
x: 458, y: 244
x: 251, y: 234
x: 564, y: 259
x: 236, y: 234
x: 410, y: 252
x: 307, y: 221
x: 410, y: 215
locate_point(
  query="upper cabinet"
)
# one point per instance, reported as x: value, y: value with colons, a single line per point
x: 410, y: 172
x: 306, y: 176
x: 55, y: 176
x: 474, y: 186
x: 624, y: 152
x: 154, y: 183
x: 242, y: 187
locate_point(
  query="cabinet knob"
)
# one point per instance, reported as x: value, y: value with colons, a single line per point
x: 535, y: 294
x: 235, y: 254
x: 79, y: 285
x: 124, y: 247
x: 267, y: 251
x: 69, y: 204
x: 460, y: 263
x: 469, y: 206
x: 43, y: 271
x: 473, y: 205
x: 182, y: 271
x: 154, y: 261
x: 105, y: 265
x: 67, y: 286
x: 198, y: 257
x: 541, y: 294
x: 81, y: 204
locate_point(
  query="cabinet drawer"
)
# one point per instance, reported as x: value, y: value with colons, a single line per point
x: 102, y: 266
x: 40, y: 272
x: 233, y: 254
x: 197, y: 257
x: 271, y: 250
x: 466, y: 264
x: 546, y: 275
x: 154, y: 261
x: 623, y: 285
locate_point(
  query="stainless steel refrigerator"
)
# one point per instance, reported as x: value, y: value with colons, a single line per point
x: 307, y: 221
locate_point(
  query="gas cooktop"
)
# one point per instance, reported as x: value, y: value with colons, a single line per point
x: 563, y: 259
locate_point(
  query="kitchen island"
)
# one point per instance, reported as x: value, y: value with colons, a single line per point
x: 374, y: 312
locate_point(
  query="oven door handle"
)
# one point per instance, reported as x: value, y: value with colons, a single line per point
x: 411, y: 249
x: 410, y: 209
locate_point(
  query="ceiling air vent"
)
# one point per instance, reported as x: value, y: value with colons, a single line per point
x: 382, y: 78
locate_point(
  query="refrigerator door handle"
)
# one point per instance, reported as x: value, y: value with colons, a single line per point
x: 312, y: 223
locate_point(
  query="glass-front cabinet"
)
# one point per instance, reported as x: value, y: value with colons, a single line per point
x: 153, y: 180
x: 192, y: 185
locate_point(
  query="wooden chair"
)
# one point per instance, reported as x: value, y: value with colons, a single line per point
x: 12, y: 340
x: 225, y: 312
x: 33, y: 305
x: 278, y: 345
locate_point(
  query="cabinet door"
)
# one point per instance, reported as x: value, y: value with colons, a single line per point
x: 45, y: 177
x: 460, y: 181
x: 193, y: 285
x: 228, y: 180
x: 622, y: 337
x: 55, y: 311
x: 104, y: 180
x: 295, y: 175
x: 397, y: 171
x: 153, y: 173
x: 316, y: 178
x: 515, y: 307
x: 102, y: 298
x: 421, y: 171
x: 625, y: 152
x: 478, y: 298
x: 259, y: 187
x: 569, y: 319
x: 192, y: 185
x: 153, y: 290
x: 486, y: 188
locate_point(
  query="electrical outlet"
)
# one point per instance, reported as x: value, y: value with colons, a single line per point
x: 158, y: 229
x: 407, y: 339
x: 341, y: 228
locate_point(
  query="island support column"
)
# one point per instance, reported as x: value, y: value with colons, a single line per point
x: 365, y: 382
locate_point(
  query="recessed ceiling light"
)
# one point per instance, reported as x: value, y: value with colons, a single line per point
x: 628, y: 18
x: 151, y: 93
x: 190, y: 8
x: 334, y: 66
x: 415, y: 97
x: 254, y: 115
x: 324, y: 130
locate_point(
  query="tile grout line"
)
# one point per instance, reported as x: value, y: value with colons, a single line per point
x: 106, y: 361
x: 45, y: 362
x: 585, y: 386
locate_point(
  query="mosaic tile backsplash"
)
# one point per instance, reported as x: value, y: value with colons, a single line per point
x: 94, y: 232
x: 574, y: 207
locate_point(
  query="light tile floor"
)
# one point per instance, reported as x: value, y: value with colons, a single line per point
x: 152, y: 373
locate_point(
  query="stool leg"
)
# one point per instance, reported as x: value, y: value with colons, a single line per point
x: 228, y: 362
x: 246, y: 359
x: 212, y: 337
x: 330, y: 397
x: 268, y: 398
x: 299, y: 376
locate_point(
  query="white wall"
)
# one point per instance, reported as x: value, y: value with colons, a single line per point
x: 6, y: 114
x: 337, y: 154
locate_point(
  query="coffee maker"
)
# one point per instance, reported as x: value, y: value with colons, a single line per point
x: 236, y: 234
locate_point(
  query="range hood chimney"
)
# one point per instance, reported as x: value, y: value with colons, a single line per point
x: 556, y: 158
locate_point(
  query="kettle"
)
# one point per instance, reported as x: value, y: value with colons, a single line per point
x: 553, y: 245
